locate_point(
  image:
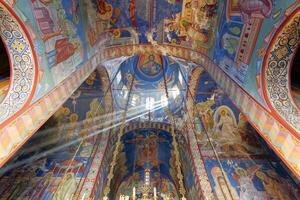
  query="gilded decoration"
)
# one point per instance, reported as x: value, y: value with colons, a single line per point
x: 23, y: 66
x: 276, y: 71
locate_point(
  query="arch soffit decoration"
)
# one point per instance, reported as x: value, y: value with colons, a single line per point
x: 155, y: 125
x: 276, y: 71
x: 23, y: 64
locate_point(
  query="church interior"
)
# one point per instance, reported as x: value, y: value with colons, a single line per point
x: 150, y: 100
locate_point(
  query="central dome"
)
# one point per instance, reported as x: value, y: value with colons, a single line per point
x: 148, y: 72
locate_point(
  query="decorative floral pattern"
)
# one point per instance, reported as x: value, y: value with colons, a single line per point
x: 277, y: 71
x: 23, y: 66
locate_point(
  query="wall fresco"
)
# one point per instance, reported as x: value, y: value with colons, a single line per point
x: 244, y: 33
x: 63, y: 33
x: 251, y: 170
x: 163, y: 184
x: 57, y: 49
x: 193, y: 192
x: 148, y: 146
x: 250, y: 179
x: 54, y: 161
x: 146, y: 149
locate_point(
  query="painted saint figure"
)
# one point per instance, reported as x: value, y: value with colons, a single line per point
x: 247, y: 189
x: 225, y: 125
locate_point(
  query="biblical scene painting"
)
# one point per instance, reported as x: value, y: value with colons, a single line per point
x: 147, y: 149
x: 250, y: 179
x: 245, y: 29
x: 190, y: 23
x: 61, y: 152
x: 229, y: 132
x: 147, y: 157
x: 246, y: 168
x: 64, y: 33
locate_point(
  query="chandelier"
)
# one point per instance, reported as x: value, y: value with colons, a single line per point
x: 147, y: 192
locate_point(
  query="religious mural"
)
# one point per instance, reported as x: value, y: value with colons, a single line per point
x: 250, y: 179
x: 148, y: 74
x: 193, y: 192
x: 233, y: 27
x: 246, y: 169
x: 102, y: 176
x: 54, y: 161
x: 163, y: 184
x: 194, y: 26
x: 149, y: 149
x: 221, y: 120
x: 245, y: 31
x: 63, y: 32
x: 189, y: 23
x: 235, y: 34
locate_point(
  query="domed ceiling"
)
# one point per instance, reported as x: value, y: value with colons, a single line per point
x: 149, y: 72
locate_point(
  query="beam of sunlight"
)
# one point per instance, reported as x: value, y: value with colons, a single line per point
x: 133, y: 113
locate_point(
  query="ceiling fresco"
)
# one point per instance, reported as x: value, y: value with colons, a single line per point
x: 147, y: 71
x: 235, y: 34
x: 189, y: 23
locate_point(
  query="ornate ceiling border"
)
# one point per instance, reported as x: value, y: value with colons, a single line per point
x: 276, y: 72
x: 280, y: 138
x: 23, y: 64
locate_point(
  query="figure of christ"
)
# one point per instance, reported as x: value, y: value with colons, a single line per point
x: 146, y: 149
